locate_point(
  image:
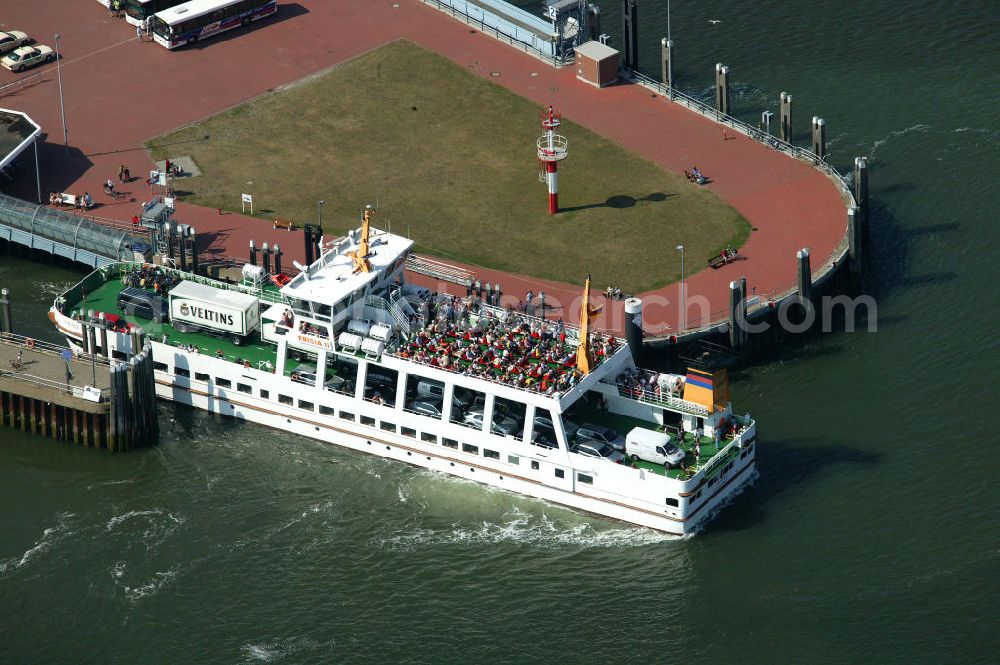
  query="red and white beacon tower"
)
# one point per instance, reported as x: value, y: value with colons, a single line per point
x: 552, y: 149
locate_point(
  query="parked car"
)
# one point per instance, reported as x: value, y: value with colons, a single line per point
x: 569, y: 426
x: 602, y: 434
x: 333, y: 384
x: 598, y: 450
x: 653, y: 446
x: 501, y: 424
x: 13, y: 39
x: 544, y: 437
x: 27, y: 56
x: 426, y: 407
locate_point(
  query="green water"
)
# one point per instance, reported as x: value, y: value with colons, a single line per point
x: 871, y: 535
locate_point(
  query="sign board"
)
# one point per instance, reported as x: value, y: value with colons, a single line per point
x: 247, y: 199
x: 157, y: 178
x: 66, y: 355
x: 91, y: 393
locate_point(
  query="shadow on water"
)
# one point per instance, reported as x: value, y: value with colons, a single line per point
x: 622, y: 201
x: 783, y: 466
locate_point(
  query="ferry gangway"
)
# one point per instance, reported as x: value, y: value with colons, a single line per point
x: 61, y: 233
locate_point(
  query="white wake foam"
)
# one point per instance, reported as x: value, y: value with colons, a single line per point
x: 50, y: 536
x: 523, y: 528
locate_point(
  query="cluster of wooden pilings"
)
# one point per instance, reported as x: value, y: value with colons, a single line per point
x: 85, y: 398
x: 132, y: 419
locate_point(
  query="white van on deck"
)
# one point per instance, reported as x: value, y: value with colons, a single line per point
x: 652, y: 446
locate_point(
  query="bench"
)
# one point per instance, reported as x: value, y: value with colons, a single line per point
x: 70, y: 200
x: 283, y: 224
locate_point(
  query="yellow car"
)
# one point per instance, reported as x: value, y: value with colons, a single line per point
x: 12, y: 40
x: 27, y: 56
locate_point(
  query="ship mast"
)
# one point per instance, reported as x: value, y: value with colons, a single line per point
x: 360, y: 255
x: 587, y: 314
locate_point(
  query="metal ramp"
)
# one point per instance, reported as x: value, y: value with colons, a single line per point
x: 438, y: 270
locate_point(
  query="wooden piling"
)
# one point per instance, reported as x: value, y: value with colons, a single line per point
x: 667, y: 65
x: 786, y: 117
x: 854, y: 240
x: 630, y: 35
x: 819, y: 137
x: 804, y: 275
x: 722, y: 89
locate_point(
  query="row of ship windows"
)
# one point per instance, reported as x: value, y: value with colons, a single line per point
x: 368, y: 420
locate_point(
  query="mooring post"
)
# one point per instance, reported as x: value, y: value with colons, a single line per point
x: 630, y: 35
x: 181, y: 248
x: 85, y: 337
x: 744, y: 333
x: 805, y: 275
x: 786, y: 117
x: 266, y: 255
x: 193, y: 238
x: 854, y: 240
x: 104, y: 335
x: 307, y: 238
x: 6, y: 322
x: 594, y: 22
x: 667, y: 57
x: 819, y: 137
x: 735, y: 338
x: 253, y: 253
x: 168, y: 231
x: 861, y: 188
x: 722, y: 89
x: 277, y: 258
x: 633, y: 327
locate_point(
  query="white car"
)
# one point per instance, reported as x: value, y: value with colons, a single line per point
x: 12, y: 40
x: 27, y: 56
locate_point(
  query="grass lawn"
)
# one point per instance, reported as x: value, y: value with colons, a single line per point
x: 450, y: 160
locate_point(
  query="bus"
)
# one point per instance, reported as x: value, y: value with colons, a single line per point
x: 137, y: 11
x: 197, y: 19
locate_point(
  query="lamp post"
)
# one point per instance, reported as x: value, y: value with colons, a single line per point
x: 680, y: 248
x: 62, y: 106
x: 319, y: 212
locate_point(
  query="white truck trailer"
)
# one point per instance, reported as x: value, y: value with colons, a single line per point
x: 198, y: 308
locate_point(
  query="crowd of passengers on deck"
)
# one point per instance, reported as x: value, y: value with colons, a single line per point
x: 637, y: 382
x: 510, y: 348
x: 148, y: 276
x: 306, y: 328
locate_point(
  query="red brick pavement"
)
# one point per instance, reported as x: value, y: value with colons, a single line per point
x: 120, y: 92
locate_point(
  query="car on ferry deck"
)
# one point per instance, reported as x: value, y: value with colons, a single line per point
x: 601, y: 434
x: 501, y: 424
x: 13, y: 39
x: 570, y: 427
x: 27, y: 56
x: 598, y: 450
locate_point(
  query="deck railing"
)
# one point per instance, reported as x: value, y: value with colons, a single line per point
x: 657, y: 399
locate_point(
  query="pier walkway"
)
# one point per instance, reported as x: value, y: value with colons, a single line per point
x: 789, y: 203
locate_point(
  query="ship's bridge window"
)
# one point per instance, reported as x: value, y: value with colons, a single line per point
x: 323, y: 312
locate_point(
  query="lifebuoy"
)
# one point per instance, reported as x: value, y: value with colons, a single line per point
x: 29, y: 343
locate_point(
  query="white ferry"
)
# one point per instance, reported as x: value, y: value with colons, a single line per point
x: 348, y: 353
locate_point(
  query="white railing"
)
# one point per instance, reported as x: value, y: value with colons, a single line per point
x: 438, y: 270
x: 658, y: 399
x: 401, y: 320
